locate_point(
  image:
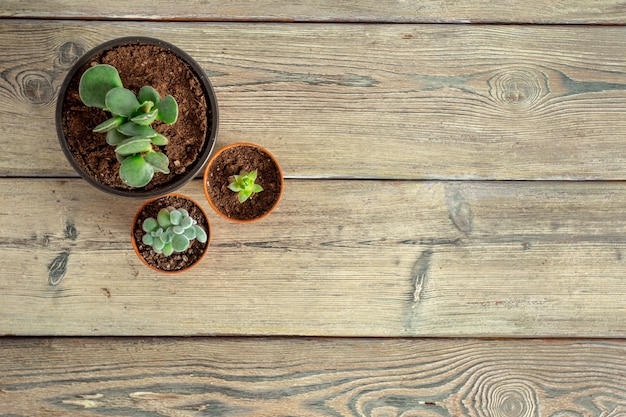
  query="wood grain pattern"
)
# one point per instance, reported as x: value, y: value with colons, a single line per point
x: 319, y: 377
x: 371, y: 101
x: 413, y: 259
x: 395, y: 11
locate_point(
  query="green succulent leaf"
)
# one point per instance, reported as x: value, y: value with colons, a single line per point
x: 201, y: 235
x: 233, y: 186
x: 109, y: 124
x: 148, y: 93
x: 168, y: 249
x: 114, y: 137
x: 158, y: 160
x: 145, y: 119
x: 244, y: 185
x: 121, y: 101
x: 144, y: 107
x: 147, y: 239
x: 136, y: 144
x: 168, y: 110
x: 186, y: 222
x: 158, y: 245
x: 163, y: 218
x: 120, y: 158
x: 135, y: 171
x: 166, y: 237
x: 190, y: 233
x: 134, y: 129
x: 96, y: 82
x: 180, y: 243
x: 159, y: 140
x: 176, y: 217
x: 150, y: 225
x: 244, y: 195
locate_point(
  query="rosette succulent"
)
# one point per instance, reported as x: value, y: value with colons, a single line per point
x: 243, y: 184
x: 128, y: 128
x: 172, y: 231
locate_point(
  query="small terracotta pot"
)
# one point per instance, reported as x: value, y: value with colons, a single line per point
x: 136, y: 232
x: 225, y: 163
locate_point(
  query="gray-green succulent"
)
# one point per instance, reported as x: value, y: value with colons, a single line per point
x: 172, y: 231
x: 129, y: 129
x: 243, y: 184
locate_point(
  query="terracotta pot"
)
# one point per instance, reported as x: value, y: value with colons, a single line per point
x: 157, y: 262
x: 162, y: 184
x: 224, y: 164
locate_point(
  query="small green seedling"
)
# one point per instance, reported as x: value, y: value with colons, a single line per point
x: 244, y: 185
x: 172, y: 231
x: 129, y: 129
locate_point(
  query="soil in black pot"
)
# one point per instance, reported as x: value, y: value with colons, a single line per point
x: 230, y: 163
x: 139, y: 65
x: 176, y: 261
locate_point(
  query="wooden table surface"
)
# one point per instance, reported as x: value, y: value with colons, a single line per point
x: 451, y: 240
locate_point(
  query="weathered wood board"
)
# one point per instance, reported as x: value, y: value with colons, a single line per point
x: 361, y: 101
x: 396, y: 11
x: 315, y: 377
x: 494, y: 259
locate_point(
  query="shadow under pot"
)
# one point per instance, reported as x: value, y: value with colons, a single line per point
x: 178, y: 149
x: 238, y: 167
x: 170, y: 234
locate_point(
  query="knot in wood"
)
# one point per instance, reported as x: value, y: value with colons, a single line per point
x: 69, y: 53
x: 37, y: 88
x: 509, y: 398
x: 518, y: 88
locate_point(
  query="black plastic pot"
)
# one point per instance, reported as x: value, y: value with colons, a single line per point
x: 212, y: 116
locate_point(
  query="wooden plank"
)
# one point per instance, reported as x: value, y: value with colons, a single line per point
x: 375, y: 101
x: 319, y: 377
x: 394, y: 11
x: 337, y: 258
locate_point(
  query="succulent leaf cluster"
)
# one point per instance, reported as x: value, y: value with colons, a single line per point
x: 129, y: 129
x: 172, y: 231
x: 243, y: 184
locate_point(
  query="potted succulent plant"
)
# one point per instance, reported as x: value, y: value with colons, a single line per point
x: 170, y: 234
x: 243, y: 182
x: 137, y: 117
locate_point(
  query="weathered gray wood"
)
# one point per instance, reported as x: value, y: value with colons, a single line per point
x: 365, y: 101
x: 335, y: 259
x: 319, y: 377
x: 414, y: 11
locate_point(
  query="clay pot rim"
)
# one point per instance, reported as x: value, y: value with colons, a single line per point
x: 206, y: 176
x: 134, y: 242
x: 209, y: 142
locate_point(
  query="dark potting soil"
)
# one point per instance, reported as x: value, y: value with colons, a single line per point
x: 230, y: 163
x: 176, y: 261
x: 139, y: 65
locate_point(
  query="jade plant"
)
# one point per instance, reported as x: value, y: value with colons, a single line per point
x: 243, y: 184
x: 172, y: 231
x: 128, y: 128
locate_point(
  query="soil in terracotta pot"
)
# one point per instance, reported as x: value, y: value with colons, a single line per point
x: 176, y: 261
x: 230, y: 163
x: 139, y: 65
